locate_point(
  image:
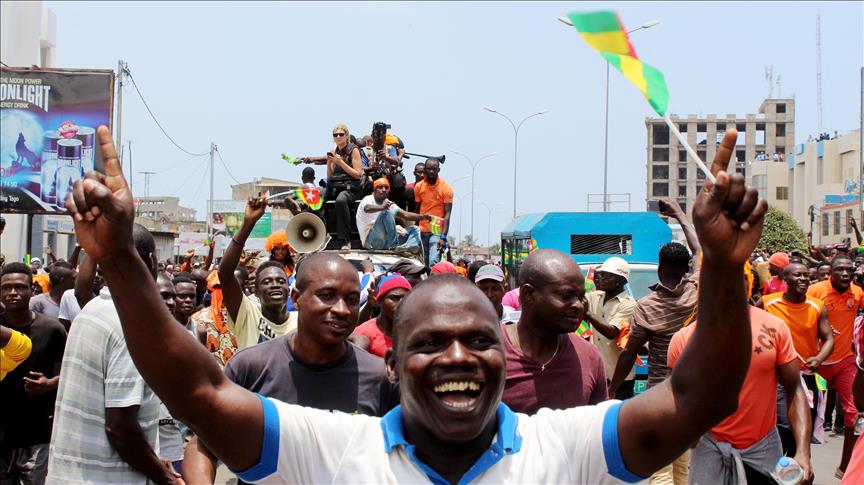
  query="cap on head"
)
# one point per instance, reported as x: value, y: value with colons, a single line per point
x: 779, y: 260
x: 35, y: 260
x: 380, y: 182
x: 391, y: 282
x: 616, y: 265
x: 489, y: 272
x: 406, y: 266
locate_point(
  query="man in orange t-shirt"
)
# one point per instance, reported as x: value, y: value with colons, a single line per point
x: 807, y: 320
x: 752, y: 429
x: 842, y: 299
x: 434, y: 197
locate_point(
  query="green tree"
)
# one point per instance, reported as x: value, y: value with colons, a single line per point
x: 468, y: 241
x: 781, y: 233
x: 495, y: 249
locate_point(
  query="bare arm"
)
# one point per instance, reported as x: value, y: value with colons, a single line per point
x: 360, y: 341
x: 199, y: 464
x: 857, y: 231
x: 126, y: 437
x: 414, y: 217
x: 209, y: 259
x: 600, y: 324
x: 826, y: 335
x: 76, y: 253
x: 101, y: 206
x: 728, y: 217
x: 673, y: 209
x: 625, y: 362
x: 355, y: 169
x: 232, y: 293
x: 799, y: 414
x: 447, y: 209
x: 84, y: 281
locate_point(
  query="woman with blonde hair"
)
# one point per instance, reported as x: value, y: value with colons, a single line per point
x: 344, y: 173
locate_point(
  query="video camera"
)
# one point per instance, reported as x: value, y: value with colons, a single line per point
x: 379, y: 133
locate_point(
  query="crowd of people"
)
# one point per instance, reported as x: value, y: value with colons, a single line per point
x: 300, y: 368
x: 365, y: 185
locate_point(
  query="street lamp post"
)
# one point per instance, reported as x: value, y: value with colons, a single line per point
x: 461, y: 198
x: 515, y: 143
x: 489, y: 222
x: 646, y: 25
x: 473, y: 168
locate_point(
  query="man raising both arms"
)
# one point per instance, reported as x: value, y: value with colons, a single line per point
x: 450, y: 364
x: 250, y: 324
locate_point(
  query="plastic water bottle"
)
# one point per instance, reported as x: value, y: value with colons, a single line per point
x: 859, y: 426
x: 788, y: 471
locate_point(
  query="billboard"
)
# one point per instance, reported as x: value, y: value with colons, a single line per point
x: 48, y: 121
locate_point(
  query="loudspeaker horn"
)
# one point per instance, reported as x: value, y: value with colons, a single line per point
x: 306, y: 233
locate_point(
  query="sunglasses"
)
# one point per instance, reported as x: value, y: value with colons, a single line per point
x: 338, y: 134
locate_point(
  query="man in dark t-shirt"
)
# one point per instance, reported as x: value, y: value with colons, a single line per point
x: 549, y: 366
x: 314, y: 366
x: 29, y: 391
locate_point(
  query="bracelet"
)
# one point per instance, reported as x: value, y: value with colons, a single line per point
x: 236, y: 242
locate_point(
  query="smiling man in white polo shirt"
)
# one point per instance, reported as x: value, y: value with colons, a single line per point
x: 449, y: 360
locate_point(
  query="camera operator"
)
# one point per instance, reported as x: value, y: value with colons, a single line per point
x: 344, y: 173
x: 387, y: 152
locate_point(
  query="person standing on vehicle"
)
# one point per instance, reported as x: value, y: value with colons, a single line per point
x: 434, y: 197
x: 344, y: 171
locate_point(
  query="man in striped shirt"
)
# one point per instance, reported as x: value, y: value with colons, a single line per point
x: 106, y: 417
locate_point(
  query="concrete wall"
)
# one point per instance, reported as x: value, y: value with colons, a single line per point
x: 28, y: 36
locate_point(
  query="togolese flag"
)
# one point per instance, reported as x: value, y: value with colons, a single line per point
x: 310, y: 197
x: 603, y: 31
x: 436, y: 225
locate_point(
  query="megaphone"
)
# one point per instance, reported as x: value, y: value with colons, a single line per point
x: 306, y: 233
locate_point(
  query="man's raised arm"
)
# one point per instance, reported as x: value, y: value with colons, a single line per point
x: 232, y: 293
x: 703, y: 388
x: 101, y: 206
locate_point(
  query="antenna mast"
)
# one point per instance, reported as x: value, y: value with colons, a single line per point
x: 819, y: 73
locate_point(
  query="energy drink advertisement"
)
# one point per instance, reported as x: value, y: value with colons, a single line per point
x: 48, y: 121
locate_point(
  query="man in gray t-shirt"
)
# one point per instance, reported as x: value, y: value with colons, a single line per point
x: 314, y: 366
x: 62, y: 278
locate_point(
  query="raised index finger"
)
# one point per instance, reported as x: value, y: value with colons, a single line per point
x: 109, y: 152
x: 724, y: 151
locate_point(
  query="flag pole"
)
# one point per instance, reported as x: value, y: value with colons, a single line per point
x: 689, y: 149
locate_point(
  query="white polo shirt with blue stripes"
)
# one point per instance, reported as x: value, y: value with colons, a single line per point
x: 305, y: 445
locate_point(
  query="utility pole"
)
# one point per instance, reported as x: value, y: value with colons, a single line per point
x: 210, y: 200
x: 147, y: 182
x: 121, y: 71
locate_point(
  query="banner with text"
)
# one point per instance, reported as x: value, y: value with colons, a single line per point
x: 48, y: 121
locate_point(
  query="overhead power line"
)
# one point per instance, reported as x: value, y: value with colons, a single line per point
x: 226, y: 167
x: 157, y: 121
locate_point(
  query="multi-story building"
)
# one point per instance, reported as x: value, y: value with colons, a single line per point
x: 167, y: 215
x: 825, y: 193
x: 267, y: 185
x: 28, y: 37
x: 766, y: 136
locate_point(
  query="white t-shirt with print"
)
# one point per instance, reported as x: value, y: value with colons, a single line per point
x: 365, y: 220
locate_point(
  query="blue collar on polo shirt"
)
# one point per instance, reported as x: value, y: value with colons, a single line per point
x: 505, y: 442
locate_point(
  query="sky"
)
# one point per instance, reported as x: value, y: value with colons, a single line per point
x: 262, y: 79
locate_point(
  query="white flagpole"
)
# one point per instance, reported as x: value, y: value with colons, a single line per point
x: 689, y: 149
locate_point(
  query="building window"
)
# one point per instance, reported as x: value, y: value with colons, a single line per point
x: 781, y: 129
x: 660, y: 135
x: 682, y: 128
x: 781, y: 108
x: 683, y: 205
x: 825, y: 228
x: 741, y: 155
x: 660, y: 190
x: 820, y: 168
x: 660, y: 171
x: 682, y: 155
x: 660, y: 154
x: 682, y: 173
x: 782, y: 193
x: 848, y: 221
x: 836, y: 222
x: 700, y: 175
x: 682, y: 190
